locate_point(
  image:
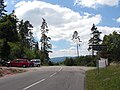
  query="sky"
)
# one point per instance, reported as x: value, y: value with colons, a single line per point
x: 66, y: 16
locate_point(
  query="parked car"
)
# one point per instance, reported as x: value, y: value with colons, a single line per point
x: 20, y: 63
x: 36, y: 62
x: 3, y: 62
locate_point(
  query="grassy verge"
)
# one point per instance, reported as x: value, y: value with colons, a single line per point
x: 107, y: 79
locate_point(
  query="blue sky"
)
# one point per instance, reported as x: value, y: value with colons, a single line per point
x: 66, y: 16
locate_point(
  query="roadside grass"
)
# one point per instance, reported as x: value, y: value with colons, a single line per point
x: 107, y: 79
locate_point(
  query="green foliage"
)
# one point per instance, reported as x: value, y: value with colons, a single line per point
x: 44, y: 56
x: 113, y: 45
x: 86, y: 61
x: 50, y: 63
x: 8, y: 28
x: 29, y: 53
x: 107, y: 79
x: 69, y: 62
x: 81, y: 61
x: 37, y: 53
x: 15, y: 51
x: 16, y: 39
x: 1, y: 42
x: 5, y: 50
x: 24, y: 52
x: 25, y: 33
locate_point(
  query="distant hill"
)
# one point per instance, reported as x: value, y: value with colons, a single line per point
x: 57, y: 59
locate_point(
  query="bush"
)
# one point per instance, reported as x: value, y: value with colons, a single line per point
x: 86, y: 61
x: 69, y: 62
x: 50, y: 63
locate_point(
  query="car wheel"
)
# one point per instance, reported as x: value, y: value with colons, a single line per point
x: 38, y: 65
x: 24, y: 66
x: 8, y: 65
x: 31, y: 65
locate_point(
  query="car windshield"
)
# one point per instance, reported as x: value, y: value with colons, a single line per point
x: 35, y: 60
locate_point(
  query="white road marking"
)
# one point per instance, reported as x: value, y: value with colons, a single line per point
x: 60, y: 69
x: 52, y: 75
x: 34, y: 84
x: 41, y: 80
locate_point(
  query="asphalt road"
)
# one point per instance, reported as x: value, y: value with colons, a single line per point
x: 46, y: 78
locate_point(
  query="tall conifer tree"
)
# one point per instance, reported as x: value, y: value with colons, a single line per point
x: 45, y: 45
x: 95, y: 39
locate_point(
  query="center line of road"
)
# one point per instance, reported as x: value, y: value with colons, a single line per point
x: 40, y: 80
x: 60, y: 69
x: 52, y: 74
x: 55, y: 72
x: 34, y: 84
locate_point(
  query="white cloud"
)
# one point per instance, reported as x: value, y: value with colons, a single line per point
x: 6, y: 3
x: 118, y: 20
x: 107, y: 30
x: 72, y: 48
x: 62, y: 23
x: 96, y: 3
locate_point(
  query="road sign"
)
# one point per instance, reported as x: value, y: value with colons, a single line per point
x: 99, y: 47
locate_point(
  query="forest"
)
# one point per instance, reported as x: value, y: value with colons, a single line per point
x: 17, y: 40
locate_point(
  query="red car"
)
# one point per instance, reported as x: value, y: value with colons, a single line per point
x: 20, y: 63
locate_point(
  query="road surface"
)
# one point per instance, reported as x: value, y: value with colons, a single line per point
x: 46, y: 78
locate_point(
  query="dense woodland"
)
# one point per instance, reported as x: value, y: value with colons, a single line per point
x: 16, y: 38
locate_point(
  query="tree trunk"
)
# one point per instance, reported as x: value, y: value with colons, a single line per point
x: 78, y: 50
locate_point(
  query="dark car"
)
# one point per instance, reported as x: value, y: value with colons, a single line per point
x: 3, y: 62
x: 20, y: 63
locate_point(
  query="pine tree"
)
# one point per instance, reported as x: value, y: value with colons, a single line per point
x: 26, y: 35
x: 45, y: 45
x: 2, y: 8
x: 95, y: 40
x: 5, y: 51
x: 8, y: 33
x: 8, y: 28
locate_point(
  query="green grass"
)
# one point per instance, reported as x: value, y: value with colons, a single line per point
x: 107, y: 79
